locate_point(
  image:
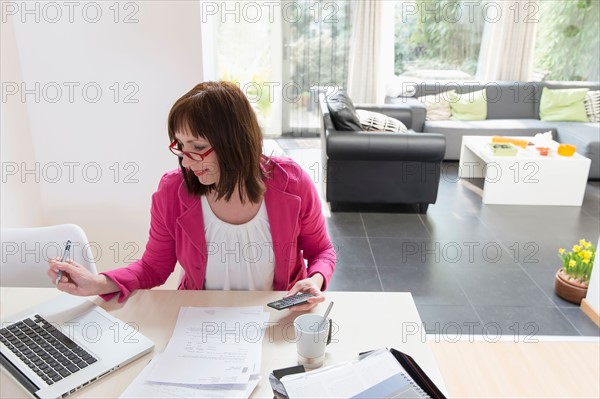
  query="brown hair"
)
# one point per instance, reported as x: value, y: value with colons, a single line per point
x: 221, y: 113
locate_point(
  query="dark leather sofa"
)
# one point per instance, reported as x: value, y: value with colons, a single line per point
x: 377, y: 167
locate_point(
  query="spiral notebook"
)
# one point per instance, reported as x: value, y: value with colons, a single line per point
x: 376, y: 374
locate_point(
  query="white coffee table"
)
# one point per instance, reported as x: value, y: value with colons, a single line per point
x: 526, y: 178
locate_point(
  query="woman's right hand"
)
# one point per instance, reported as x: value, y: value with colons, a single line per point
x: 77, y: 280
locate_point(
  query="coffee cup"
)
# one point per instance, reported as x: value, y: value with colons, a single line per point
x: 311, y: 339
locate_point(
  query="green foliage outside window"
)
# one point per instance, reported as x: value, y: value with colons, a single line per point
x: 568, y: 40
x: 448, y: 39
x: 319, y: 44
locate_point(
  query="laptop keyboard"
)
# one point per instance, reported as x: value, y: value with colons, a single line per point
x: 45, y: 349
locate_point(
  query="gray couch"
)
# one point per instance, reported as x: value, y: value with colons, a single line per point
x: 512, y: 110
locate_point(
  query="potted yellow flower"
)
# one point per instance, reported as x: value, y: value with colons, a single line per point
x: 571, y: 281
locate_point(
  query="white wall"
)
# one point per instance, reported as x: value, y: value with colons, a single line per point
x: 99, y: 157
x: 20, y: 201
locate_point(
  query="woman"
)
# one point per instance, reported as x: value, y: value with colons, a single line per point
x: 233, y: 218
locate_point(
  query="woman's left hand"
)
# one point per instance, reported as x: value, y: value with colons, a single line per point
x: 311, y: 285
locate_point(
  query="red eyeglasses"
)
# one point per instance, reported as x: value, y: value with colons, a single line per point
x: 196, y: 156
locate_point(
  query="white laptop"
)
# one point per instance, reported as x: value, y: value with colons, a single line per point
x: 61, y: 346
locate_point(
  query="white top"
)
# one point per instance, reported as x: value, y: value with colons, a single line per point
x: 240, y: 256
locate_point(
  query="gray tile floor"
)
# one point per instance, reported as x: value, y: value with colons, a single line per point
x: 471, y: 268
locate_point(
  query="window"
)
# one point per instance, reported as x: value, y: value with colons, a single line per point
x: 244, y: 53
x: 568, y: 40
x: 315, y: 58
x: 438, y: 39
x: 282, y: 54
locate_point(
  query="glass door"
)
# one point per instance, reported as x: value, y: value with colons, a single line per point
x: 244, y: 46
x: 282, y: 54
x: 316, y: 37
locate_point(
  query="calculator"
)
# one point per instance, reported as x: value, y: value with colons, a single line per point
x: 285, y: 303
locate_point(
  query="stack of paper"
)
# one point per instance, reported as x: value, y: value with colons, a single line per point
x: 213, y: 352
x: 375, y: 375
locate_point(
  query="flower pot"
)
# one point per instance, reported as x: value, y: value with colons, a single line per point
x: 569, y: 290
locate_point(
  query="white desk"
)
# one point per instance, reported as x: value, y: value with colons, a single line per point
x: 366, y: 320
x: 526, y: 178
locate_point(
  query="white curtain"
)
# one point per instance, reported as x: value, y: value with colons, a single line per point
x: 508, y: 43
x: 371, y: 59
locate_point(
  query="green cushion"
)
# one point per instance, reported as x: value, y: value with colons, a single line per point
x: 563, y: 105
x: 468, y: 106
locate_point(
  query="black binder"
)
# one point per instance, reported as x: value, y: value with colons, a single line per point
x: 414, y: 371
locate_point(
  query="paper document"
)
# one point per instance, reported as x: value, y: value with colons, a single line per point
x: 213, y: 346
x: 141, y: 388
x: 376, y: 375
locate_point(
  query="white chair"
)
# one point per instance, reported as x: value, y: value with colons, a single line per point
x: 25, y: 253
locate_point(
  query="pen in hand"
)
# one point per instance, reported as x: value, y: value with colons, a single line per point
x: 62, y: 259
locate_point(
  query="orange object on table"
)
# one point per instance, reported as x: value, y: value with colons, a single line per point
x: 543, y: 150
x: 517, y: 142
x: 566, y: 150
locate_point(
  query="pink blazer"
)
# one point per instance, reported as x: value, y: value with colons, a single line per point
x: 177, y: 234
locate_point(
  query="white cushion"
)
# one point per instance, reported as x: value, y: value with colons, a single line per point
x: 591, y: 103
x: 376, y: 122
x: 437, y: 106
